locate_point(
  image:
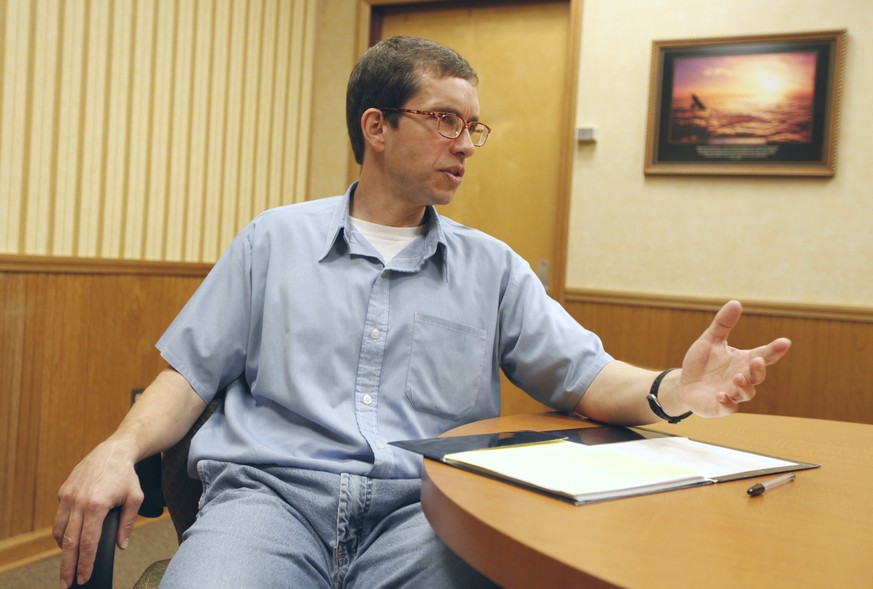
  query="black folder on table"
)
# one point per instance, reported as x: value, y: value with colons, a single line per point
x: 631, y: 461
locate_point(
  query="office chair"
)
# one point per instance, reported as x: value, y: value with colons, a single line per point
x: 165, y: 483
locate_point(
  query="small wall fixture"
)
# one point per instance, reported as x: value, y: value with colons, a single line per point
x: 586, y: 134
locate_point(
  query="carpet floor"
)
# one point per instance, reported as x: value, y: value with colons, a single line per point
x: 149, y: 543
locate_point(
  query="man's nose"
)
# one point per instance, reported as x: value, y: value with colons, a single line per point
x: 464, y: 143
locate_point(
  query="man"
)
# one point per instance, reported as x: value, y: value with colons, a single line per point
x: 339, y: 325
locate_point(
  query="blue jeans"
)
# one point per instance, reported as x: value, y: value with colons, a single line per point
x: 282, y: 527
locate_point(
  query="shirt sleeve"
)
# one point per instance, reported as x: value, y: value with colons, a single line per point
x: 207, y: 341
x: 543, y: 349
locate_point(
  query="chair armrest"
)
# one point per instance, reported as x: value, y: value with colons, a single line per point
x: 149, y: 472
x: 104, y: 562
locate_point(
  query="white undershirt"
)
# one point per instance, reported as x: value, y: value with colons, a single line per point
x: 388, y: 241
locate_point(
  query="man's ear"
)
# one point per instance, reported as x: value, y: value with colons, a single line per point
x: 373, y: 123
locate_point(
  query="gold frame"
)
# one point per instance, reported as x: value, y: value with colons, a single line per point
x: 816, y: 157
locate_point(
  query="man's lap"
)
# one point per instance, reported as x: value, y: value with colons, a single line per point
x: 281, y: 527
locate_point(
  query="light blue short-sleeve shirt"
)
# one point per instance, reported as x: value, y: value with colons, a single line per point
x: 328, y: 354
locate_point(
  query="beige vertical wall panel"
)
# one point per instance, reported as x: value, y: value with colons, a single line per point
x: 304, y: 67
x: 278, y: 99
x: 248, y: 115
x: 291, y: 137
x: 176, y: 194
x: 161, y: 128
x: 198, y: 106
x: 96, y: 55
x: 149, y: 129
x: 233, y: 114
x: 15, y: 66
x: 216, y: 130
x: 330, y: 163
x: 43, y: 33
x: 119, y: 74
x: 65, y: 172
x: 139, y: 139
x: 266, y: 54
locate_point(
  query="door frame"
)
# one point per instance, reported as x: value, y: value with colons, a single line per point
x: 369, y: 14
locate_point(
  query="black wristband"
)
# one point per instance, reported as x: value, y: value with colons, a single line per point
x: 655, y: 405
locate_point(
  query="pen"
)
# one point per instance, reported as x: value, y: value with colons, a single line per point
x: 759, y: 488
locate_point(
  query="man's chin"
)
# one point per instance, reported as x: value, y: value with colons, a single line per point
x: 442, y: 198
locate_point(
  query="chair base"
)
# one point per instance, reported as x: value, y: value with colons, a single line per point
x: 151, y: 577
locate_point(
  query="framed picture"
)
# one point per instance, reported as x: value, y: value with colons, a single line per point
x: 754, y: 105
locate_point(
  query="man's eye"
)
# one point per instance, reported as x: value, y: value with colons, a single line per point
x: 453, y: 122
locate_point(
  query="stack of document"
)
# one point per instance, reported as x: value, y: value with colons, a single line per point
x: 585, y: 473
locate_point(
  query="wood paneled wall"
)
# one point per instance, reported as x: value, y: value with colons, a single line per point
x: 75, y: 337
x: 827, y: 374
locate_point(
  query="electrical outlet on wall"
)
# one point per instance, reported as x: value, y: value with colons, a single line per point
x: 544, y: 270
x: 134, y: 395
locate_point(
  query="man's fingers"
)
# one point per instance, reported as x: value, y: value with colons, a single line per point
x: 69, y: 543
x: 61, y: 520
x: 745, y: 388
x: 727, y: 404
x: 757, y: 371
x: 725, y: 320
x: 125, y: 524
x: 92, y: 527
x: 773, y: 351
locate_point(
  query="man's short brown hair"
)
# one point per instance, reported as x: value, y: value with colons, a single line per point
x: 389, y: 74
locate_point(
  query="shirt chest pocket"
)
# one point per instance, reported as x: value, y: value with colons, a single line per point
x: 445, y: 366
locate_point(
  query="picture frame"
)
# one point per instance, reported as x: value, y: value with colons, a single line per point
x: 746, y: 105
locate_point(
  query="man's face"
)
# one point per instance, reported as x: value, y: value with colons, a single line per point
x: 422, y: 166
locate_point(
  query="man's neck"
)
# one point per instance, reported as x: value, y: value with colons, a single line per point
x: 373, y: 205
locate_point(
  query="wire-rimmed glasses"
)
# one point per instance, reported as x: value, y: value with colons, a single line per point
x: 450, y: 125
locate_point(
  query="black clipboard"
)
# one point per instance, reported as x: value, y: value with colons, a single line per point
x: 438, y: 448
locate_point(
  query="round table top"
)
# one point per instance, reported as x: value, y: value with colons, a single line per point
x: 815, y: 532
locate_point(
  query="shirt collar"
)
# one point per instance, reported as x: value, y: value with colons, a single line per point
x: 340, y: 225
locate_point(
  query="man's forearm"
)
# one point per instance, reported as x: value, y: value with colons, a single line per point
x: 160, y: 417
x: 618, y: 395
x: 106, y: 478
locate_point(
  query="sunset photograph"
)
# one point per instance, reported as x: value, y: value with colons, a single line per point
x: 750, y: 99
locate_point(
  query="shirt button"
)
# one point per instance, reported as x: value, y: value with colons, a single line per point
x: 367, y: 399
x: 375, y: 334
x: 380, y: 444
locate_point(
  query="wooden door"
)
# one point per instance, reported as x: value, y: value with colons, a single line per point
x: 516, y: 187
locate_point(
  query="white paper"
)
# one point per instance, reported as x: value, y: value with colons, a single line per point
x: 592, y: 473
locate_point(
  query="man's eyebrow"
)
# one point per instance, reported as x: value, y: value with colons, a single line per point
x: 454, y: 111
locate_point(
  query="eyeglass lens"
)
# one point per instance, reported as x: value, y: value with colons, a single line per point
x: 451, y: 126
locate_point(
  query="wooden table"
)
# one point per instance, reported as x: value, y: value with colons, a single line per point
x: 814, y: 532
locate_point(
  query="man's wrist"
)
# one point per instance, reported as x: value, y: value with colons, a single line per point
x: 663, y: 397
x: 125, y: 446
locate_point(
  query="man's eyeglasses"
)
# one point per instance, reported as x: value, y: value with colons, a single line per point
x: 450, y: 125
